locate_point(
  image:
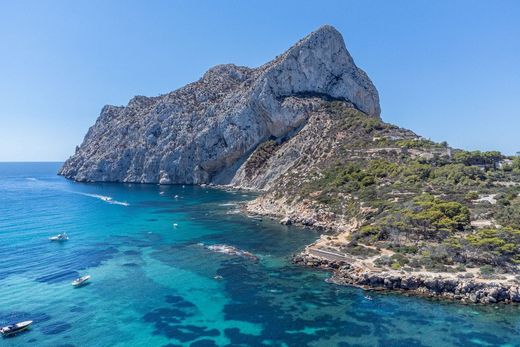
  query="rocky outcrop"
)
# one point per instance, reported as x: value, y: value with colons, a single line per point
x: 206, y: 131
x: 466, y: 290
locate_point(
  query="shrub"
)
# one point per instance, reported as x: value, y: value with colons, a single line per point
x: 417, y: 143
x: 471, y: 196
x: 399, y: 259
x: 395, y: 266
x: 431, y: 214
x: 383, y: 261
x: 509, y: 214
x: 503, y: 242
x: 487, y: 270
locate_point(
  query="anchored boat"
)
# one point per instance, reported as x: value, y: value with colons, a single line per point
x: 15, y: 328
x: 78, y: 282
x: 59, y: 237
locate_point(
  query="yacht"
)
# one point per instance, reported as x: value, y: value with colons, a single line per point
x: 59, y: 237
x: 78, y: 282
x: 12, y: 329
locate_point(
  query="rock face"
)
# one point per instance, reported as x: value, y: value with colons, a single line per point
x: 206, y: 131
x: 462, y: 289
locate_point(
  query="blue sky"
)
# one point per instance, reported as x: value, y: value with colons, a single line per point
x: 449, y: 70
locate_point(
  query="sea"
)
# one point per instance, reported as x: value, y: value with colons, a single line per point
x: 155, y: 280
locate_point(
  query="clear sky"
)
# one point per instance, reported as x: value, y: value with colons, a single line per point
x: 449, y: 70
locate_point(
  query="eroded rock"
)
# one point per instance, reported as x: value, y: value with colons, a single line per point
x: 205, y: 131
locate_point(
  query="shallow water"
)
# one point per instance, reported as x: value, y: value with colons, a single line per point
x: 154, y: 284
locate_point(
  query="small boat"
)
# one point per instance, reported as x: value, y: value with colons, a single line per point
x: 15, y: 328
x: 59, y: 237
x: 78, y: 282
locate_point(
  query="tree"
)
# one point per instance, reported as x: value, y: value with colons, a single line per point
x: 516, y: 163
x: 432, y: 215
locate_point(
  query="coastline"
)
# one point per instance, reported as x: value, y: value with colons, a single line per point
x: 349, y: 270
x: 475, y: 291
x: 355, y: 271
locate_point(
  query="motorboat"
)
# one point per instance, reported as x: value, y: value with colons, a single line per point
x: 60, y: 237
x: 78, y: 282
x: 15, y: 328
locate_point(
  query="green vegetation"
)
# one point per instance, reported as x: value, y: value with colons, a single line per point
x: 478, y: 158
x: 503, y: 244
x: 260, y: 156
x: 416, y: 197
x: 419, y: 143
x: 516, y: 163
x: 430, y: 215
x: 349, y: 118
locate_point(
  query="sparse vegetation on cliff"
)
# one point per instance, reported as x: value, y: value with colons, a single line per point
x: 420, y: 205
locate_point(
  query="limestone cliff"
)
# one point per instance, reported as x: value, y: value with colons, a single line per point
x: 206, y: 131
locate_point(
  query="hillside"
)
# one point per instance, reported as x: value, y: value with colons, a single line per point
x: 399, y: 207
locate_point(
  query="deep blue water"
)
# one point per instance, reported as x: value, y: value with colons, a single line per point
x: 154, y: 284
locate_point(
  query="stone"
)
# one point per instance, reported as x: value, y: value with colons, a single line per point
x: 514, y: 294
x: 286, y: 221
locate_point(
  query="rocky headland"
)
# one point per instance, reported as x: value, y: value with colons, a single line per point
x: 204, y: 132
x: 400, y: 212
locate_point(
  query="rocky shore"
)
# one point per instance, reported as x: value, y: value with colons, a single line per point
x: 304, y: 213
x: 465, y: 290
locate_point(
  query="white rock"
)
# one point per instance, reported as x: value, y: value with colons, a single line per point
x: 203, y: 132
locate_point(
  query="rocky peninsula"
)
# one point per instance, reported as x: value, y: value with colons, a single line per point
x: 398, y: 211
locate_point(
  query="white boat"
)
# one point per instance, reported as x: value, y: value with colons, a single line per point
x: 59, y: 237
x: 15, y: 328
x: 78, y: 282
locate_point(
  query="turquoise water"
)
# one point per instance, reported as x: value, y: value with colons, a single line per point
x: 154, y: 284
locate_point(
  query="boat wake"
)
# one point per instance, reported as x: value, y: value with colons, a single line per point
x: 107, y: 199
x: 31, y: 179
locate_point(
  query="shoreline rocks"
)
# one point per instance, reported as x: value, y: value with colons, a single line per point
x: 464, y: 290
x: 460, y: 289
